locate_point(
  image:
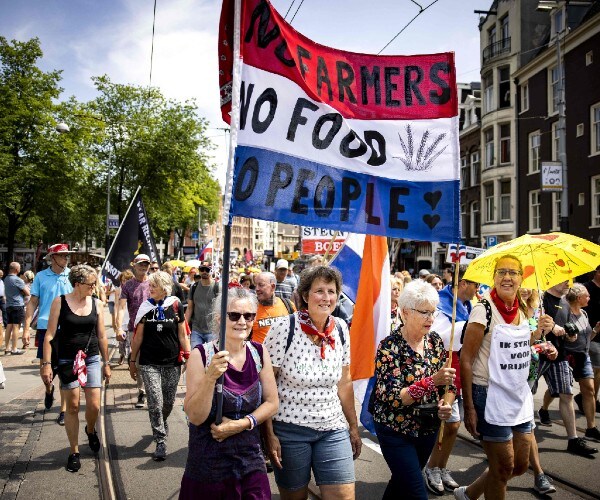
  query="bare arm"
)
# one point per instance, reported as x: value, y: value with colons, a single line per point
x: 346, y: 395
x: 184, y: 340
x: 122, y: 304
x: 189, y: 311
x: 31, y: 307
x: 273, y: 447
x: 472, y: 342
x: 46, y: 369
x: 102, y: 340
x: 136, y: 343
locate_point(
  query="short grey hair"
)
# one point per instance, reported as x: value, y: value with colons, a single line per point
x: 416, y: 294
x: 162, y: 280
x: 233, y: 295
x: 268, y: 275
x: 81, y: 273
x: 576, y: 291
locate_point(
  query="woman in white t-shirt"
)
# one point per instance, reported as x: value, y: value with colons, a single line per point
x: 316, y: 426
x: 494, y: 368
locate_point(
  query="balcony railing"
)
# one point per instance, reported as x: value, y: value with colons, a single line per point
x: 495, y: 49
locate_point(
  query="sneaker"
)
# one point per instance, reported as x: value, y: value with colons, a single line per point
x: 433, y: 480
x: 593, y: 433
x: 73, y: 464
x: 49, y: 398
x: 544, y: 417
x: 449, y: 483
x: 93, y: 440
x: 543, y: 484
x: 161, y: 452
x: 141, y: 400
x: 461, y: 493
x: 60, y: 420
x: 17, y: 352
x: 579, y: 400
x: 578, y: 446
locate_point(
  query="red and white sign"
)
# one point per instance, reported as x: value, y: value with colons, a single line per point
x: 319, y: 240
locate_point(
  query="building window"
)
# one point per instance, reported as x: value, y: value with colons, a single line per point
x: 488, y: 137
x: 505, y: 30
x: 595, y: 128
x: 492, y: 35
x: 557, y: 22
x: 589, y: 58
x: 505, y: 143
x: 534, y: 152
x: 525, y: 97
x: 555, y: 141
x: 505, y: 200
x: 488, y: 93
x: 504, y: 87
x: 534, y: 210
x: 465, y: 181
x: 475, y: 219
x: 488, y: 190
x: 464, y: 216
x: 596, y: 200
x: 556, y: 211
x: 553, y: 90
x: 475, y: 169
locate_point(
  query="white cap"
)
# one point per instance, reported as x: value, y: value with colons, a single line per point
x: 423, y: 273
x: 282, y: 264
x: 142, y: 257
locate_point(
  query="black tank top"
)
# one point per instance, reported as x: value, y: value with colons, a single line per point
x: 75, y: 331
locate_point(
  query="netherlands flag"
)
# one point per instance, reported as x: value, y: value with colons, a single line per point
x: 371, y: 292
x: 206, y: 249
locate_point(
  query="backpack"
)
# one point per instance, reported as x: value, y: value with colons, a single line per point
x: 488, y: 320
x: 293, y: 326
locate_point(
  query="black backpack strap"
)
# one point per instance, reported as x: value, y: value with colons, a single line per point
x: 288, y: 305
x: 290, y: 332
x: 488, y: 320
x: 340, y: 331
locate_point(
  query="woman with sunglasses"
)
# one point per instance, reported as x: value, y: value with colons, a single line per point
x: 494, y: 368
x: 226, y: 460
x: 160, y: 344
x: 316, y: 426
x: 80, y: 341
x: 407, y: 404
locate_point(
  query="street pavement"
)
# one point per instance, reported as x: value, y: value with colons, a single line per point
x: 34, y: 449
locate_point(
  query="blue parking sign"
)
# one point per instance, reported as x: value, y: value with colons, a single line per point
x: 490, y: 241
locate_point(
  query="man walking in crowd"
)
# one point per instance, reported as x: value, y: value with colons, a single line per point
x: 15, y: 290
x: 593, y: 311
x: 201, y: 296
x: 3, y: 298
x: 284, y: 289
x: 270, y: 307
x: 133, y: 293
x: 47, y: 285
x: 437, y: 476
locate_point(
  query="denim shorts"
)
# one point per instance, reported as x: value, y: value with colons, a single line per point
x: 94, y: 373
x: 491, y: 432
x: 458, y: 412
x: 197, y: 338
x: 583, y: 367
x: 327, y: 453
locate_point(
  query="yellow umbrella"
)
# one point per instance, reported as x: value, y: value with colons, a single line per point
x: 548, y: 259
x: 177, y: 263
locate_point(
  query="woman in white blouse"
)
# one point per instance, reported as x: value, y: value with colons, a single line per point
x: 316, y: 426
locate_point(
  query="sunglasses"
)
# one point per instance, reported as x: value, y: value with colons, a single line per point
x: 204, y: 269
x: 235, y: 316
x: 91, y: 285
x: 154, y: 268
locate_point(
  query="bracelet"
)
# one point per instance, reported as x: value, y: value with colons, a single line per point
x: 253, y: 422
x: 46, y: 363
x: 131, y: 361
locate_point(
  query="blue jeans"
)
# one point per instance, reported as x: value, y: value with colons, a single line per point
x: 198, y: 338
x: 406, y: 456
x: 328, y: 453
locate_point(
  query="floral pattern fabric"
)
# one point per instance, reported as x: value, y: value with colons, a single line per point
x: 397, y: 366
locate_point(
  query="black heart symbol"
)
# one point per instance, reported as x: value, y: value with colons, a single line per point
x: 433, y: 198
x: 431, y: 220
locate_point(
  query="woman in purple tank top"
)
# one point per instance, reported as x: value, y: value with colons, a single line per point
x: 226, y: 461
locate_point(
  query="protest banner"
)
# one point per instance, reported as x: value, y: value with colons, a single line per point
x: 319, y: 241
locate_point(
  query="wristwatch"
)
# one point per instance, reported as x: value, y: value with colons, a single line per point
x: 46, y: 363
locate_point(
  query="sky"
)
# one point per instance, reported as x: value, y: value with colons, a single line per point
x: 86, y: 38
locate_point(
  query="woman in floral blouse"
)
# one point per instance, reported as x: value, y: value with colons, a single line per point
x: 411, y: 371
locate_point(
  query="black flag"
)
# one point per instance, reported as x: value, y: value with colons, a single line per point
x: 133, y: 237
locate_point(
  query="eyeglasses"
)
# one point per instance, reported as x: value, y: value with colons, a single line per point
x: 235, y: 316
x: 154, y: 268
x: 91, y: 285
x: 513, y: 273
x: 427, y: 314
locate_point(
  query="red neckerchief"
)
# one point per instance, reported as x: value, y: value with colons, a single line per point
x: 309, y: 328
x: 508, y: 313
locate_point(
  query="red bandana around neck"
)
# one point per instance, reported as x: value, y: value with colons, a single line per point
x: 309, y: 328
x: 508, y: 313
